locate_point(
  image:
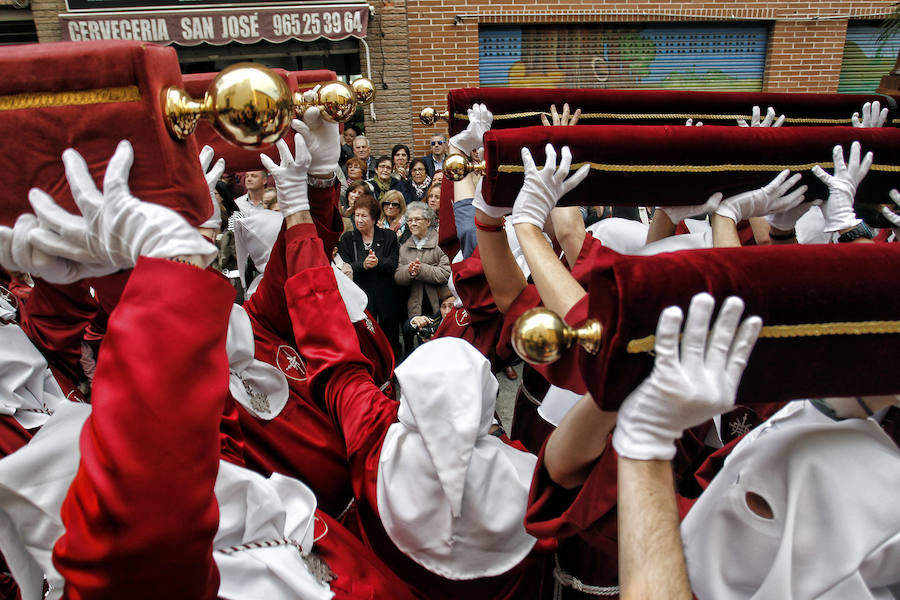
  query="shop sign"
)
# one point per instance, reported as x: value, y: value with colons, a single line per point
x: 246, y: 25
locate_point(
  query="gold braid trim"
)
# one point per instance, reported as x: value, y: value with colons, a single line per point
x: 128, y: 93
x: 697, y: 168
x: 646, y: 344
x: 662, y: 116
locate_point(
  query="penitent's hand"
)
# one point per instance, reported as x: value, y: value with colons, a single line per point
x: 544, y: 188
x: 470, y: 139
x: 290, y: 175
x: 114, y: 228
x: 689, y: 383
x: 838, y: 209
x: 774, y: 197
x: 872, y: 116
x: 768, y: 121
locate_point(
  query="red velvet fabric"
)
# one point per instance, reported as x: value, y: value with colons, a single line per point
x: 124, y: 527
x: 657, y: 107
x: 165, y: 171
x: 785, y: 285
x: 238, y: 159
x: 645, y: 161
x: 447, y: 239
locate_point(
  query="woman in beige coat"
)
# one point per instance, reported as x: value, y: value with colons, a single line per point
x: 422, y: 266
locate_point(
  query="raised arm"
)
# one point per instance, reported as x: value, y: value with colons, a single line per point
x: 692, y: 381
x: 541, y: 191
x: 163, y: 356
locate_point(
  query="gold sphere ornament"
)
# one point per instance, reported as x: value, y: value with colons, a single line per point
x: 247, y: 104
x: 429, y: 116
x: 364, y: 90
x: 457, y: 166
x: 336, y: 100
x: 540, y: 336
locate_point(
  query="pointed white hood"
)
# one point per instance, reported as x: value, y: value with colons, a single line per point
x: 451, y: 496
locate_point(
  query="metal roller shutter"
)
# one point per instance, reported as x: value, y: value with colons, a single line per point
x: 866, y: 58
x: 698, y: 57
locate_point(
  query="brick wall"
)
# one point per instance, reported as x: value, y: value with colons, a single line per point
x: 388, y: 40
x: 803, y: 55
x: 46, y: 19
x: 420, y: 49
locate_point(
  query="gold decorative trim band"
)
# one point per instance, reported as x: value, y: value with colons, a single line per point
x: 662, y: 116
x: 646, y: 344
x: 128, y: 93
x: 723, y: 168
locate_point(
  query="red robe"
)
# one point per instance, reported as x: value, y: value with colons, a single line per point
x: 341, y: 376
x: 142, y: 503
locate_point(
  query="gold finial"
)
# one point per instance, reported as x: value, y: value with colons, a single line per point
x: 364, y: 90
x: 429, y: 116
x: 540, y: 336
x: 247, y: 104
x: 336, y: 99
x: 457, y: 166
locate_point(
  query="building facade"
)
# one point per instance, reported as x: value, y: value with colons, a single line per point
x: 417, y: 50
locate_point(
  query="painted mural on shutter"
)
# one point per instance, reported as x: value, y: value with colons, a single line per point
x: 698, y: 57
x: 866, y: 58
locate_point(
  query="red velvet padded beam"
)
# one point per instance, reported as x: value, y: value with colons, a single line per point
x: 521, y: 107
x: 645, y: 165
x: 785, y: 285
x: 90, y: 95
x: 238, y: 159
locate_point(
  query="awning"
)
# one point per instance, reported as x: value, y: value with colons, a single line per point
x: 246, y: 25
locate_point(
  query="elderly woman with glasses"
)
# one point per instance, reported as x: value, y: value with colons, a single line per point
x: 422, y: 266
x: 419, y: 181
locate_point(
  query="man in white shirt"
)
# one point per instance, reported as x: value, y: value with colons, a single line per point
x: 255, y: 183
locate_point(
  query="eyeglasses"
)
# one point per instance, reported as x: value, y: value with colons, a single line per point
x: 438, y: 143
x: 383, y: 167
x: 391, y: 204
x: 419, y: 169
x: 415, y: 219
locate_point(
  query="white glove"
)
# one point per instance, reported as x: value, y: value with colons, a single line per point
x: 677, y: 214
x: 688, y: 387
x: 769, y: 121
x: 290, y: 175
x: 470, y: 139
x: 690, y: 123
x: 116, y: 228
x: 787, y: 219
x: 323, y: 141
x: 890, y: 215
x: 838, y: 209
x: 17, y: 253
x: 776, y: 196
x: 543, y: 189
x: 212, y: 177
x: 872, y: 115
x: 478, y: 202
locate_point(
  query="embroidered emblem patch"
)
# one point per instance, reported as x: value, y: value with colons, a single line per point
x: 369, y: 325
x: 462, y: 317
x: 258, y: 400
x: 738, y: 422
x: 290, y: 363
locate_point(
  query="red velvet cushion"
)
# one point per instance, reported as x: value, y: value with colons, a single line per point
x: 165, y: 171
x: 785, y: 285
x: 238, y: 159
x: 518, y: 107
x: 646, y: 165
